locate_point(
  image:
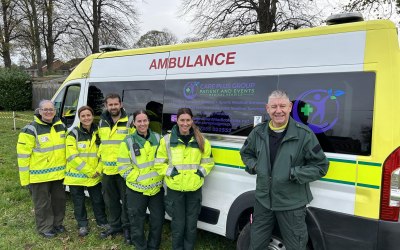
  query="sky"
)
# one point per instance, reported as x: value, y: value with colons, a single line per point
x: 160, y: 14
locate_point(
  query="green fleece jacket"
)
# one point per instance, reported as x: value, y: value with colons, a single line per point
x: 299, y: 161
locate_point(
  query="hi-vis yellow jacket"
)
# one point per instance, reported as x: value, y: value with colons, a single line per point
x: 172, y: 153
x: 138, y: 170
x: 41, y: 151
x: 111, y: 137
x: 82, y: 159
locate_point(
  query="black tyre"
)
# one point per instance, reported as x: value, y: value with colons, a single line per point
x: 243, y: 241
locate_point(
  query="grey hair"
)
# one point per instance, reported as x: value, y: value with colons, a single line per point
x: 278, y: 94
x: 42, y: 102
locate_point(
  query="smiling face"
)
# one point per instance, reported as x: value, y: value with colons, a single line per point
x: 47, y: 111
x: 113, y: 106
x: 86, y: 118
x: 279, y: 110
x: 141, y: 123
x: 184, y: 122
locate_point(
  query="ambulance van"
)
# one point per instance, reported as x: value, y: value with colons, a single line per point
x: 344, y: 83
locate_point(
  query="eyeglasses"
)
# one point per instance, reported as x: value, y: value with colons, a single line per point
x: 48, y: 110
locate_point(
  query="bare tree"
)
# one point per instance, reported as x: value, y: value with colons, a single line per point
x: 156, y: 38
x: 103, y: 21
x: 8, y: 29
x: 227, y: 18
x: 31, y: 31
x: 374, y: 8
x: 54, y: 25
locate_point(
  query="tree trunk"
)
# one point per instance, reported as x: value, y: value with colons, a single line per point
x: 96, y: 26
x: 36, y: 38
x: 5, y: 36
x: 50, y: 40
x: 266, y: 15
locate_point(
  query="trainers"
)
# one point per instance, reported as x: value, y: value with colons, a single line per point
x: 109, y: 232
x: 83, y: 231
x: 104, y: 226
x: 59, y: 229
x: 49, y: 234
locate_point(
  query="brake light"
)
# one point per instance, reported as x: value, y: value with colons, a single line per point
x: 390, y: 190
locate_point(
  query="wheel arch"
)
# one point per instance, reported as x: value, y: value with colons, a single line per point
x: 241, y: 207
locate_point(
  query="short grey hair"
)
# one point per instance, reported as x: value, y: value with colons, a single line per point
x: 278, y: 94
x: 42, y: 102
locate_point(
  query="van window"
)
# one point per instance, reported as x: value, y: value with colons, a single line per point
x: 338, y: 107
x: 220, y: 105
x: 66, y: 104
x: 147, y: 95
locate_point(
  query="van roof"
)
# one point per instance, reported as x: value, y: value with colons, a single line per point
x: 83, y: 69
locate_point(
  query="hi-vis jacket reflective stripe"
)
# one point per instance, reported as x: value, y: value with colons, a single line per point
x: 138, y: 170
x: 41, y: 152
x: 82, y: 159
x: 111, y: 138
x: 172, y: 152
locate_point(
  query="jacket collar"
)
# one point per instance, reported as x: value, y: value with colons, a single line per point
x: 291, y: 132
x: 152, y: 138
x: 38, y: 119
x: 174, y: 140
x: 93, y: 128
x: 107, y: 117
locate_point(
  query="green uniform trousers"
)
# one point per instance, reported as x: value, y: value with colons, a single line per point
x: 96, y: 197
x: 137, y: 204
x: 114, y: 193
x: 49, y: 202
x: 184, y: 209
x: 291, y: 223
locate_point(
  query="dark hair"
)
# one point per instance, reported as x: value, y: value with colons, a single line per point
x: 197, y: 134
x: 112, y: 96
x: 83, y: 108
x: 141, y: 111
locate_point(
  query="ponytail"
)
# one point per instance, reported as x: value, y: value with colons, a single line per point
x: 199, y: 137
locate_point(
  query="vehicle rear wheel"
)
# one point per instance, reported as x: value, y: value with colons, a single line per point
x: 243, y: 241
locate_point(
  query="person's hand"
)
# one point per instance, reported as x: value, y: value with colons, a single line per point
x: 174, y: 172
x: 96, y: 175
x: 199, y: 173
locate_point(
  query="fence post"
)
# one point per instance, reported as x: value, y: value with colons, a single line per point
x: 14, y: 121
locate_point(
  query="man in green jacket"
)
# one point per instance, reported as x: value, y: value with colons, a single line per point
x: 286, y: 156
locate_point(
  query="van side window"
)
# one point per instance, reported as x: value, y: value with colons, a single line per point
x: 66, y: 104
x: 337, y: 107
x: 228, y: 106
x: 147, y: 95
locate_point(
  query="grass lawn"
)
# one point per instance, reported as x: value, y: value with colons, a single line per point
x: 17, y: 226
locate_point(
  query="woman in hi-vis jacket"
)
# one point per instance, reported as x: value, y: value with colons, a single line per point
x: 145, y: 190
x: 184, y: 159
x: 84, y: 171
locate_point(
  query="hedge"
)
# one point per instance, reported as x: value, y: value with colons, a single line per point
x: 15, y: 90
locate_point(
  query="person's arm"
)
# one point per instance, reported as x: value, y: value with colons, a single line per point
x: 316, y: 163
x: 25, y: 145
x: 248, y: 154
x: 207, y: 162
x: 73, y: 158
x: 125, y: 165
x: 161, y: 160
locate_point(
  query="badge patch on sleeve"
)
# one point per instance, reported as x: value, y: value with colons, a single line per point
x: 317, y: 148
x: 44, y: 139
